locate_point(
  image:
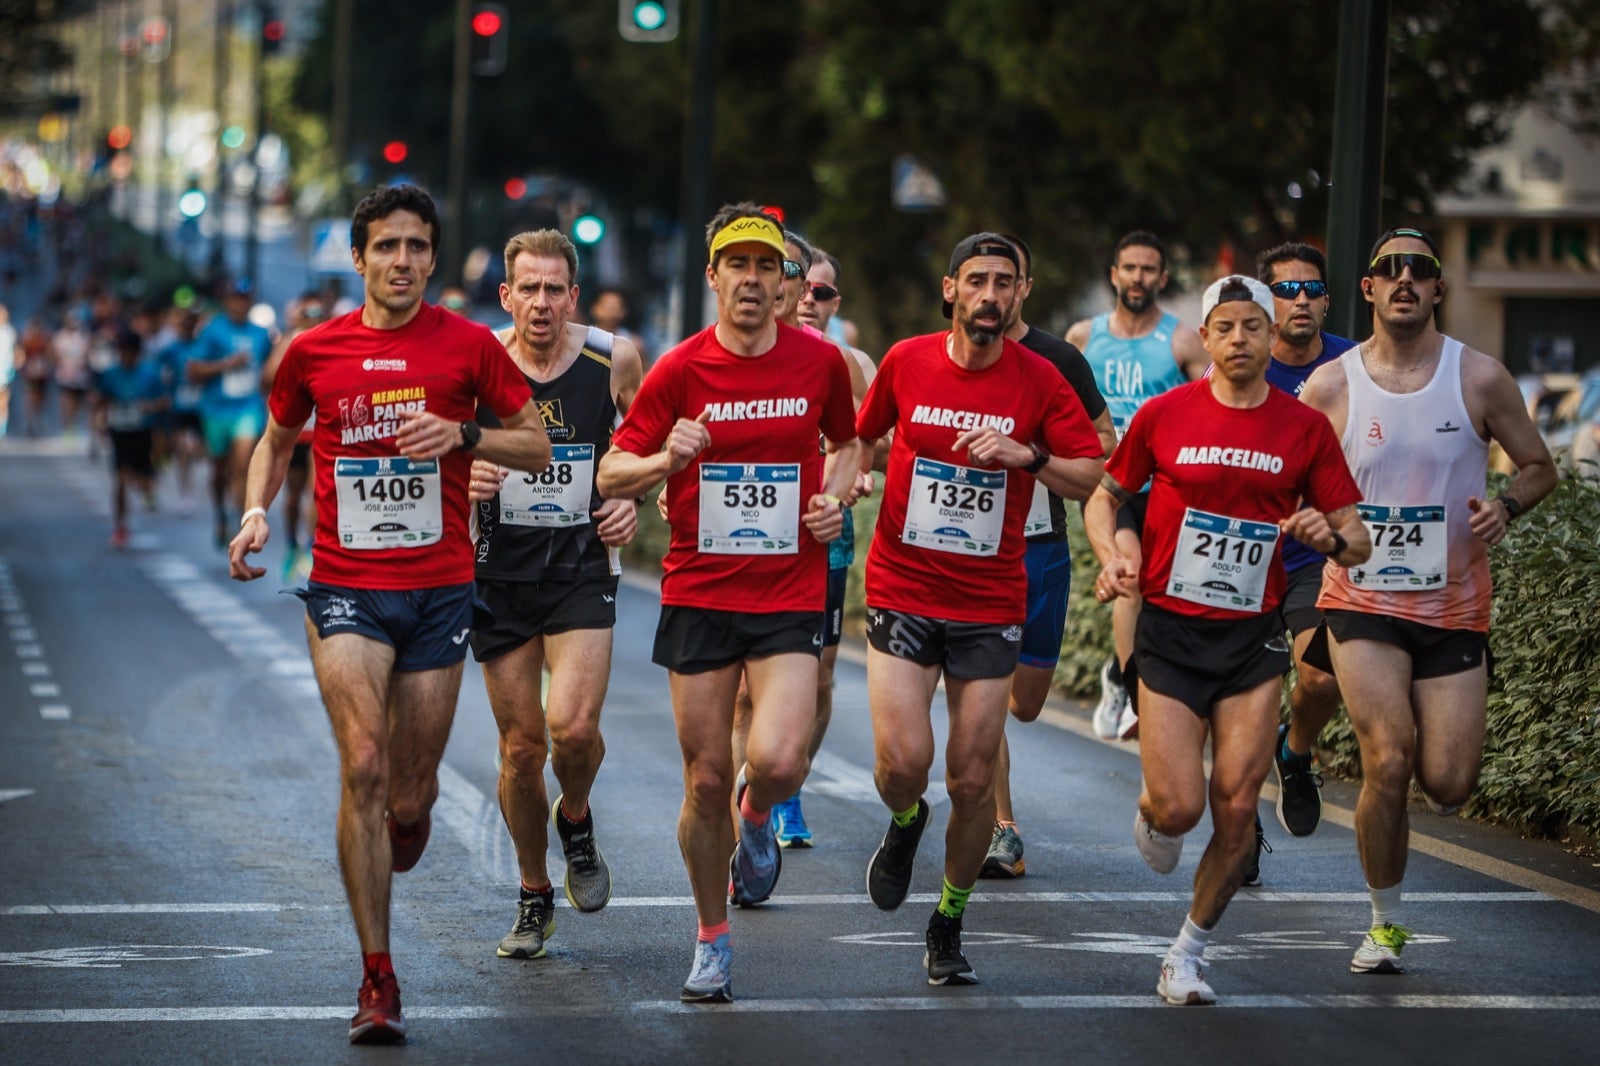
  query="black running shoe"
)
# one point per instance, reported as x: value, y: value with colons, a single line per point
x: 1299, y: 791
x: 946, y: 965
x: 889, y: 872
x: 1252, y: 872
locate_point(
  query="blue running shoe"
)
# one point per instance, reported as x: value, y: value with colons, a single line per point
x: 756, y: 861
x: 792, y: 829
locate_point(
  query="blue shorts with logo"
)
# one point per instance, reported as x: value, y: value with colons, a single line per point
x: 427, y: 628
x: 1049, y: 580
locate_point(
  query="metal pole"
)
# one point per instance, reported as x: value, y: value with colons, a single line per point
x: 450, y: 259
x: 1355, y: 198
x: 252, y: 214
x: 695, y: 204
x: 342, y: 28
x: 169, y: 14
x: 219, y: 104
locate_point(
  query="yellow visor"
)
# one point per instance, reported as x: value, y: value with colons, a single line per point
x: 742, y: 230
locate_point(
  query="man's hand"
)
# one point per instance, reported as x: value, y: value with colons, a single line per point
x: 485, y: 480
x: 987, y: 445
x: 618, y: 521
x: 1489, y: 521
x: 424, y: 435
x: 824, y: 517
x: 251, y: 538
x: 1119, y: 577
x: 687, y: 440
x: 1310, y: 527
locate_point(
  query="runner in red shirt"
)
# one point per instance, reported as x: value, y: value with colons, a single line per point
x: 395, y: 386
x: 1229, y: 458
x: 974, y: 415
x: 739, y: 407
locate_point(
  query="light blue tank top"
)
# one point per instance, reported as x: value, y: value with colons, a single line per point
x: 1130, y: 371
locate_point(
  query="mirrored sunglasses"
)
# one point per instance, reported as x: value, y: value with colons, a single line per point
x: 1290, y: 290
x: 1424, y: 267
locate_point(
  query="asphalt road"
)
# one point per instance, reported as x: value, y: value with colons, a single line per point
x: 169, y: 890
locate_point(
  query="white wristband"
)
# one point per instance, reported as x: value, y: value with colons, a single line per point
x: 262, y: 511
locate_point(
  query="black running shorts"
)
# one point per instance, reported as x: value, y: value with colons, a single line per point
x: 697, y: 640
x: 1434, y: 652
x: 1299, y: 606
x: 968, y: 651
x: 1200, y: 661
x: 526, y: 609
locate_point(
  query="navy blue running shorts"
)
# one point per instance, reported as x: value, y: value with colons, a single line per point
x: 1049, y: 580
x: 427, y: 628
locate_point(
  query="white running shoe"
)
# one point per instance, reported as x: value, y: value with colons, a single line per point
x: 1380, y: 950
x: 1112, y: 706
x: 1160, y: 852
x: 1183, y: 982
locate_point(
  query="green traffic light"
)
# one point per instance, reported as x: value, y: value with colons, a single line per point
x: 649, y: 15
x: 192, y: 204
x: 588, y: 229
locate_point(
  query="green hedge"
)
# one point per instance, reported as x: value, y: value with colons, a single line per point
x: 1542, y: 757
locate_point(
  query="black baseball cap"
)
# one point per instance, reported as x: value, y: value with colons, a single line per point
x: 985, y: 243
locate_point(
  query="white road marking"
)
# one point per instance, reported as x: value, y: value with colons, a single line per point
x: 36, y: 669
x: 959, y: 1001
x: 45, y: 689
x: 23, y: 634
x: 14, y: 793
x: 29, y: 651
x: 126, y: 1015
x: 55, y: 712
x: 154, y: 908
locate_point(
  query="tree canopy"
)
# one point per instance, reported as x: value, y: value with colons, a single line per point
x: 1206, y: 121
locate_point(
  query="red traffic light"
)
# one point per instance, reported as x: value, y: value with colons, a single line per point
x: 395, y: 152
x: 516, y: 189
x: 119, y: 137
x: 486, y: 23
x: 272, y: 30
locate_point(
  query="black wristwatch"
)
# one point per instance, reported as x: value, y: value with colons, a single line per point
x: 1513, y: 508
x: 1339, y: 545
x: 471, y: 435
x: 1040, y: 458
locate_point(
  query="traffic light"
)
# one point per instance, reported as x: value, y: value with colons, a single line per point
x: 192, y: 203
x: 272, y: 30
x: 648, y: 21
x: 395, y: 152
x: 588, y: 229
x: 490, y: 27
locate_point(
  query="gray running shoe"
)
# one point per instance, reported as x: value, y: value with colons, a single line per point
x: 946, y: 965
x: 889, y: 872
x: 756, y: 863
x: 1299, y: 791
x: 536, y: 920
x: 588, y: 878
x: 1005, y: 853
x: 710, y: 981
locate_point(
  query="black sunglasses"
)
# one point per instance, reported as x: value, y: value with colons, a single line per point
x: 1289, y: 290
x: 1424, y: 267
x: 792, y: 270
x: 824, y: 293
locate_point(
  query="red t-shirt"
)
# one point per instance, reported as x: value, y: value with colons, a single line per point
x: 745, y: 549
x: 405, y: 524
x: 1240, y: 467
x: 960, y: 558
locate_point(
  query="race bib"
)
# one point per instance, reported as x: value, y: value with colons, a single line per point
x: 556, y: 496
x: 125, y: 415
x: 237, y: 384
x: 1222, y: 561
x: 1408, y: 548
x: 1038, y: 512
x: 749, y: 508
x: 388, y: 503
x: 955, y: 508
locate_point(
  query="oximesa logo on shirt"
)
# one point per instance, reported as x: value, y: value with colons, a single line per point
x: 383, y: 364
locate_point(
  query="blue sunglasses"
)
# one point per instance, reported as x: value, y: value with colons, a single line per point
x: 1289, y: 290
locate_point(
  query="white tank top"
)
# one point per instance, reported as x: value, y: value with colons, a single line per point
x: 1417, y: 458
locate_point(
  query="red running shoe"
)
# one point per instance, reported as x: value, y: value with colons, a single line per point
x: 378, y: 1019
x: 406, y: 842
x: 119, y: 538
